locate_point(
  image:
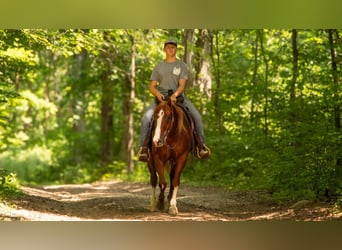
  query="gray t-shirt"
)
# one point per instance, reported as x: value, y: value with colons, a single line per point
x: 169, y: 74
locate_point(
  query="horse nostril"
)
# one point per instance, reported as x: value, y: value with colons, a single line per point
x: 159, y: 143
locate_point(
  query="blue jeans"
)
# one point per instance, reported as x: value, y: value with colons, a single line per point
x: 147, y: 117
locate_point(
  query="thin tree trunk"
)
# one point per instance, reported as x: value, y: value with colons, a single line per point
x: 254, y: 77
x: 107, y: 126
x: 263, y: 53
x: 189, y: 54
x: 78, y: 106
x: 204, y: 80
x: 128, y: 95
x: 336, y: 98
x: 333, y: 53
x: 215, y: 51
x: 293, y: 114
x: 107, y: 102
x: 128, y: 110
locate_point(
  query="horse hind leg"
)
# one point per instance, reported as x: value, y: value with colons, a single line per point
x: 173, y: 210
x: 153, y: 200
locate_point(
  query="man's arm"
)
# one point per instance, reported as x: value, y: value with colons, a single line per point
x: 179, y: 90
x: 154, y: 91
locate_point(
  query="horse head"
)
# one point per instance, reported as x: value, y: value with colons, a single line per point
x: 164, y: 119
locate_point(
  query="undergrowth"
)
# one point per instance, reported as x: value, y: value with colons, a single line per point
x: 9, y: 185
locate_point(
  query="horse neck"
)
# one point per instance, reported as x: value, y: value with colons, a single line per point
x: 178, y: 119
x: 178, y: 124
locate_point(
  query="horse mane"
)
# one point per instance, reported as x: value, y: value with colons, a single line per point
x: 178, y: 114
x: 180, y: 118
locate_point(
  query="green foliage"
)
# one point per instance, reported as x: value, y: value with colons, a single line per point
x: 32, y: 166
x: 260, y: 136
x: 118, y: 170
x: 9, y: 185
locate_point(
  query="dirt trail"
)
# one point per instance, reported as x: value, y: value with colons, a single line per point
x: 116, y: 200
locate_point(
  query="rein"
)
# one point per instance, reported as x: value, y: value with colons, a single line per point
x: 167, y: 132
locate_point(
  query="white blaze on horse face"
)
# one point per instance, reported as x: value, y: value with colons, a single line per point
x: 156, y: 136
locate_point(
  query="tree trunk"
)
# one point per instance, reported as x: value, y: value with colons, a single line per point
x: 189, y: 54
x: 204, y: 80
x: 128, y: 103
x: 333, y: 53
x: 254, y: 77
x: 78, y: 106
x: 336, y: 98
x: 215, y: 51
x: 107, y: 126
x: 107, y: 102
x: 293, y: 114
x: 263, y: 53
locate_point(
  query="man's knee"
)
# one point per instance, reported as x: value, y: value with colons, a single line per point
x: 147, y: 117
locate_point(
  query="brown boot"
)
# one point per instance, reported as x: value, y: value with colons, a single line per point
x: 203, y: 151
x: 143, y: 154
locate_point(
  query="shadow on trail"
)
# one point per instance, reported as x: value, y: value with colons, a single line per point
x: 130, y: 201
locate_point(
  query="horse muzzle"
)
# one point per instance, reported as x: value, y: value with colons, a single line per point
x: 159, y: 142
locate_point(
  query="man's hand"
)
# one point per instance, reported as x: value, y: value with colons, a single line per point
x: 173, y: 98
x: 160, y: 97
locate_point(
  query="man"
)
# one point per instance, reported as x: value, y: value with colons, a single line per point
x: 170, y: 73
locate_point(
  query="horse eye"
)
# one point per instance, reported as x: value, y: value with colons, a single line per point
x: 167, y: 118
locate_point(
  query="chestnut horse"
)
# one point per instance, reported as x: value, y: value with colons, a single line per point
x: 171, y: 143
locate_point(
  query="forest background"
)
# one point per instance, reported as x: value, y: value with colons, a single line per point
x: 72, y: 100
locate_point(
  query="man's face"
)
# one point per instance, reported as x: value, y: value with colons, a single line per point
x: 170, y: 49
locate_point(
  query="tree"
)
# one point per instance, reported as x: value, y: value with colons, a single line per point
x: 188, y: 39
x: 336, y: 100
x: 203, y: 76
x: 216, y: 63
x: 335, y: 76
x: 293, y: 83
x: 107, y: 97
x: 270, y: 103
x: 78, y: 103
x: 266, y: 83
x: 128, y: 105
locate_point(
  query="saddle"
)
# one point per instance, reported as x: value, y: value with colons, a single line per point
x: 191, y: 121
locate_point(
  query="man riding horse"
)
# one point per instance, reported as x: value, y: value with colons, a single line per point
x: 171, y: 74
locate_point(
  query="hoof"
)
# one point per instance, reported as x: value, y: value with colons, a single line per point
x: 173, y: 210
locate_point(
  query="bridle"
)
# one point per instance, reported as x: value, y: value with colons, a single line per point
x: 163, y: 137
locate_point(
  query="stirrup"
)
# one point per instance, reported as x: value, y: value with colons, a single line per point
x: 205, y: 149
x: 144, y: 157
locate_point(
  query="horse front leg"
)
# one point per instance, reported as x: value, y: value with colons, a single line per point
x: 172, y: 174
x: 153, y: 198
x: 173, y: 210
x: 159, y: 165
x: 153, y: 181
